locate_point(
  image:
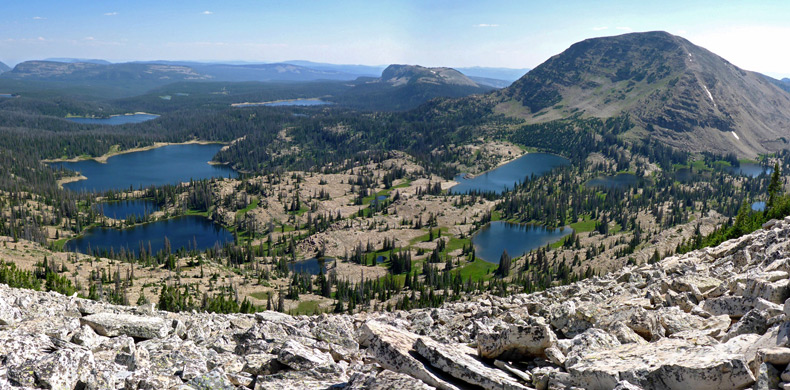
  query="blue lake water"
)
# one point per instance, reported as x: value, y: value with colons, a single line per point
x: 115, y: 120
x: 621, y: 180
x: 126, y: 208
x: 6, y: 95
x: 758, y: 206
x: 516, y: 238
x: 283, y: 103
x: 751, y: 170
x: 170, y: 164
x: 503, y: 178
x: 311, y: 266
x: 182, y: 232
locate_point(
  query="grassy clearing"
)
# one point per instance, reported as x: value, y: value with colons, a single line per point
x: 59, y: 244
x: 307, y: 308
x: 262, y: 295
x: 583, y: 226
x: 197, y: 212
x: 477, y: 270
x: 427, y: 235
x: 252, y: 206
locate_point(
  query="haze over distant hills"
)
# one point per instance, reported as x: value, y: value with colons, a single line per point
x: 676, y: 91
x: 4, y: 67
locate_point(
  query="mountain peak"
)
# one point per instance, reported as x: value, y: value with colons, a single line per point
x: 404, y: 74
x: 676, y: 91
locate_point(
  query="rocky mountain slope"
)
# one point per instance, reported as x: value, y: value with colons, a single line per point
x: 710, y: 319
x: 4, y: 68
x: 680, y: 93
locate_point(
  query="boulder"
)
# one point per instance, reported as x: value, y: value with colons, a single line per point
x: 592, y: 340
x: 386, y: 380
x: 62, y: 369
x: 392, y: 349
x: 765, y: 287
x: 8, y: 313
x: 141, y: 327
x: 767, y: 377
x: 673, y: 363
x: 754, y: 321
x: 301, y: 358
x: 779, y: 356
x: 738, y: 306
x: 458, y: 361
x: 517, y: 341
x: 212, y: 380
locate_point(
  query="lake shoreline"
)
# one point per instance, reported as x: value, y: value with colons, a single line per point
x: 254, y: 104
x: 103, y: 158
x: 111, y: 116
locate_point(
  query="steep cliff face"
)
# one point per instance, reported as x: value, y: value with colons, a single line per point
x: 682, y: 93
x: 711, y: 319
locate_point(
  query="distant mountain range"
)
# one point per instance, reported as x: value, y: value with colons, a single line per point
x: 672, y: 90
x: 235, y: 72
x: 4, y: 68
x: 402, y: 87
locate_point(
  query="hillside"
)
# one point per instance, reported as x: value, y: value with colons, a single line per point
x: 402, y: 87
x: 4, y: 68
x: 680, y: 93
x: 710, y: 319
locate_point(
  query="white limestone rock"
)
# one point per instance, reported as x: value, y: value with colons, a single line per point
x: 670, y: 364
x: 517, y: 341
x: 391, y: 347
x: 113, y: 324
x: 459, y: 361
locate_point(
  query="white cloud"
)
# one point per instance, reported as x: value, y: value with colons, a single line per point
x: 600, y: 28
x: 625, y: 28
x: 485, y: 25
x: 89, y: 38
x: 39, y: 18
x: 110, y: 13
x: 207, y: 12
x: 41, y: 39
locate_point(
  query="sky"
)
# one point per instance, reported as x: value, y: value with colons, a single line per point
x: 493, y: 33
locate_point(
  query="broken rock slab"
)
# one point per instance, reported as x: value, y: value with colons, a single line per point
x: 668, y: 364
x: 386, y: 380
x: 392, y: 348
x: 112, y: 324
x: 458, y: 361
x: 519, y: 341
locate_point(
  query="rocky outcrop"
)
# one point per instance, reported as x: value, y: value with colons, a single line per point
x: 709, y: 319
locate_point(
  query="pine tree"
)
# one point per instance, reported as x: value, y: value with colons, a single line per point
x: 774, y: 188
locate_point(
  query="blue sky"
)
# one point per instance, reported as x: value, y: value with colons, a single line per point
x: 515, y: 34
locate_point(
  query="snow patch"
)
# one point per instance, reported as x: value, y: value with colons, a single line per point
x: 709, y: 95
x: 735, y: 135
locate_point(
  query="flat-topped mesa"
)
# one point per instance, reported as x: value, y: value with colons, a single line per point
x: 715, y: 318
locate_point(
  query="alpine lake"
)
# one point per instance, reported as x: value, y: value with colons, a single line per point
x: 171, y: 164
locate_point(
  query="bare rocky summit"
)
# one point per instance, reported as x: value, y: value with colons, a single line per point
x: 716, y: 318
x: 678, y: 92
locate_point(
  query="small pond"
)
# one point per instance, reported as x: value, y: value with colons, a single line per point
x: 504, y: 177
x: 516, y: 238
x: 115, y: 120
x: 189, y: 232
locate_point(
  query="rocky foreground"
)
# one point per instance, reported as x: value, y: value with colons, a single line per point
x: 711, y: 319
